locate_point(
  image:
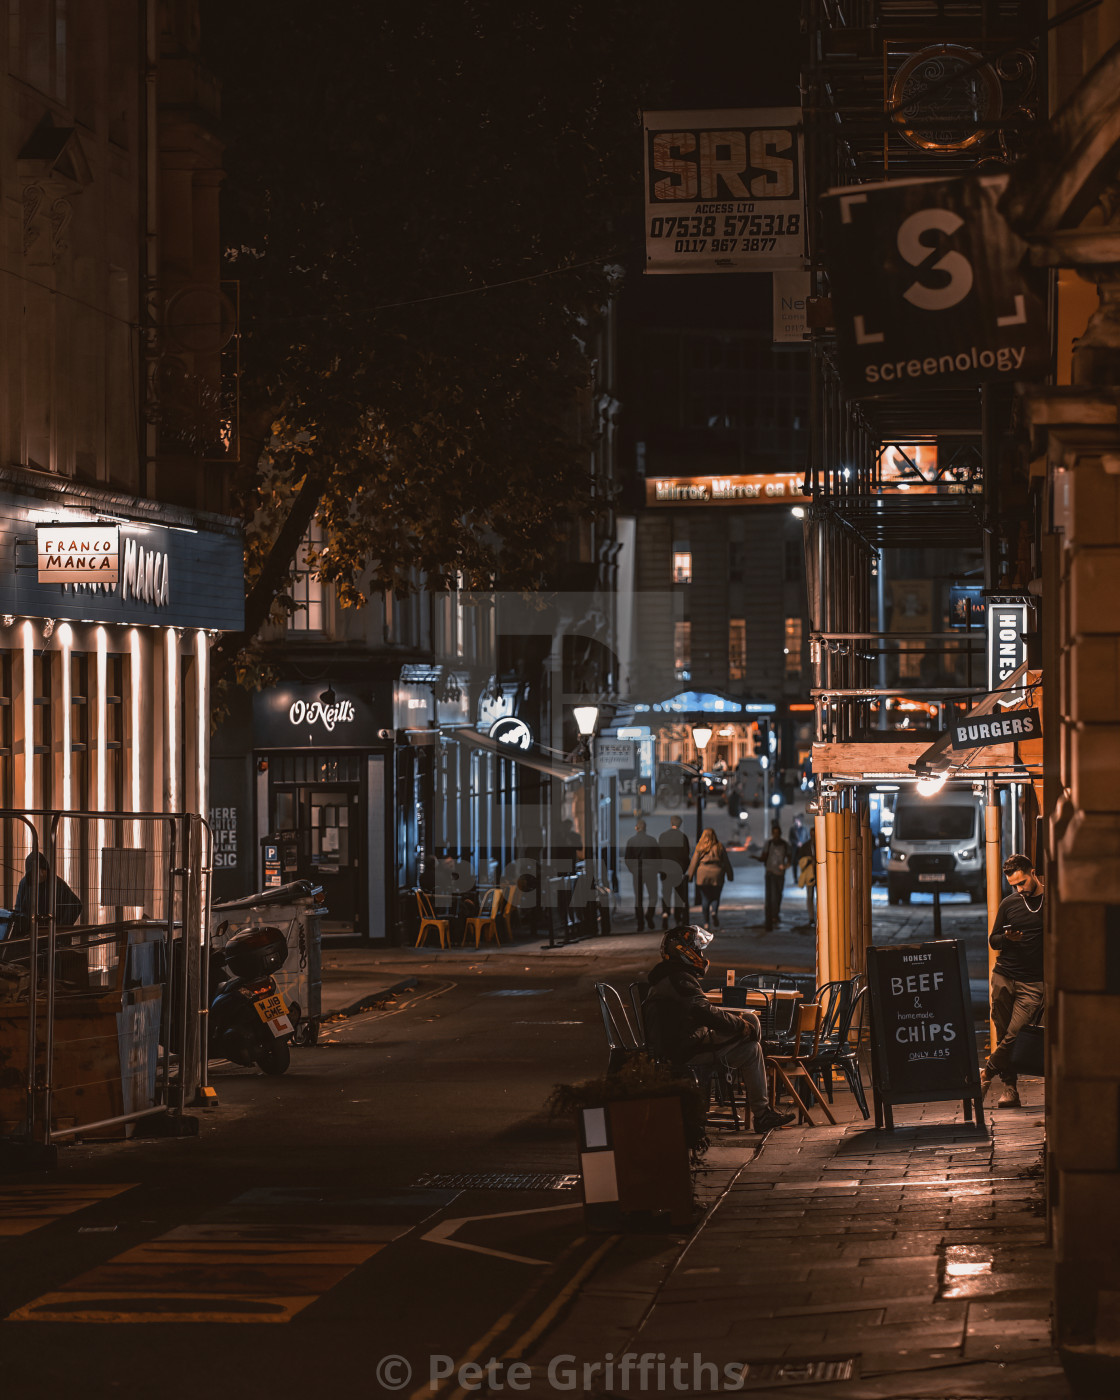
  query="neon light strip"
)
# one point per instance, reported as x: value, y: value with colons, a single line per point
x: 172, y: 720
x: 202, y: 712
x: 65, y: 636
x: 28, y: 715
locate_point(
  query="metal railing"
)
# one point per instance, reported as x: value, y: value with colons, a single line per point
x: 100, y: 971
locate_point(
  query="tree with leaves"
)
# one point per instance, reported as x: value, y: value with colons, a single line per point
x: 427, y: 208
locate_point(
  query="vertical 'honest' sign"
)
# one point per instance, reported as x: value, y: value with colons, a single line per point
x: 1006, y: 648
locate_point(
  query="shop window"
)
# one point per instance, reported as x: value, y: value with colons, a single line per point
x: 307, y: 590
x: 737, y: 649
x: 793, y: 646
x: 79, y: 731
x: 38, y: 45
x: 682, y: 566
x: 115, y: 676
x: 682, y: 650
x: 41, y: 738
x: 7, y: 710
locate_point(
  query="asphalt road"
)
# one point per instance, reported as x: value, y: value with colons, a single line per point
x: 301, y: 1210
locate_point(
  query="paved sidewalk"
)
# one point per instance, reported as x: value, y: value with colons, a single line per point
x: 914, y: 1262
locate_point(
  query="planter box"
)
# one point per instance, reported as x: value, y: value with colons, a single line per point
x: 634, y: 1160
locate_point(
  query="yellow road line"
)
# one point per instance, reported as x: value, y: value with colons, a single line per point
x: 170, y: 1279
x: 27, y: 1208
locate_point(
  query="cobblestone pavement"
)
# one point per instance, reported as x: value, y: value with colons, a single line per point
x: 914, y: 1262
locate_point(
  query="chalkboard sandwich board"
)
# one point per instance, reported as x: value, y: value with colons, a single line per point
x: 923, y: 1041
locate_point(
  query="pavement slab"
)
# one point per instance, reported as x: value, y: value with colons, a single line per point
x: 918, y: 1254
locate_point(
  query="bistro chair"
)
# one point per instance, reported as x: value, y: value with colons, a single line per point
x: 842, y: 1050
x: 484, y: 924
x: 429, y: 921
x: 797, y: 1060
x: 622, y: 1042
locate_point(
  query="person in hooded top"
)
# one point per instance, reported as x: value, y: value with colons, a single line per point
x: 685, y: 1029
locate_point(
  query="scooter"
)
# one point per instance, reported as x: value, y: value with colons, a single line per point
x: 249, y: 1021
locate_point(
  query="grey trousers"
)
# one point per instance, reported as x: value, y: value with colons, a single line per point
x: 746, y: 1056
x: 1014, y: 1005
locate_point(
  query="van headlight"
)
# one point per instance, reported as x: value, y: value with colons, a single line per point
x: 968, y: 853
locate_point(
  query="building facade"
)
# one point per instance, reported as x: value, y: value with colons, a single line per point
x: 117, y: 566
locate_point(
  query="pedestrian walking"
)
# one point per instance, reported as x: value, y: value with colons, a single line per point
x: 710, y: 867
x: 776, y: 857
x: 675, y: 849
x: 1017, y: 979
x: 805, y: 865
x: 642, y: 857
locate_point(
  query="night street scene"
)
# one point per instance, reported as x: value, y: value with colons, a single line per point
x: 560, y: 699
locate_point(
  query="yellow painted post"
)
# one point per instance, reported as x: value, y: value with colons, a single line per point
x: 821, y: 838
x: 837, y: 893
x: 994, y: 877
x: 866, y: 935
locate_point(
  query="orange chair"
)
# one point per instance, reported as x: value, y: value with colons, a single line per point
x: 428, y: 921
x: 807, y: 1022
x: 484, y: 924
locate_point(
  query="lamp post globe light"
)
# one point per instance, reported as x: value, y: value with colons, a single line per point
x: 701, y: 733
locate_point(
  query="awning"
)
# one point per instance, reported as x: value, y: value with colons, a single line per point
x: 553, y: 767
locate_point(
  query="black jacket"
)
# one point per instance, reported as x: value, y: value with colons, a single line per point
x: 673, y: 845
x: 680, y: 1021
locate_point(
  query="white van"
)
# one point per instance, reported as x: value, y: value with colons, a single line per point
x: 937, y: 844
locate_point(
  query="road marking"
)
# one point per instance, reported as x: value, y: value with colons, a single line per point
x: 27, y: 1208
x: 442, y: 1233
x: 178, y: 1279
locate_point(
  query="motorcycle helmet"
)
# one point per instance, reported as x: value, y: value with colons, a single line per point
x: 685, y: 946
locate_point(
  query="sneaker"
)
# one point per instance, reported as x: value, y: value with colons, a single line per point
x: 770, y: 1118
x: 1009, y: 1098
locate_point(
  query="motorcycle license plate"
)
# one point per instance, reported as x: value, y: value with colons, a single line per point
x: 273, y: 1011
x: 931, y: 879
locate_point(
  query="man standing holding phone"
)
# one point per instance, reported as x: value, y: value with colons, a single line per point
x: 1017, y: 978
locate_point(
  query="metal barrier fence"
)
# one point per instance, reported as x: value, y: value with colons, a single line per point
x: 100, y: 970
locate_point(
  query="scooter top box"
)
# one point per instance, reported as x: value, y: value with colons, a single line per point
x: 256, y: 952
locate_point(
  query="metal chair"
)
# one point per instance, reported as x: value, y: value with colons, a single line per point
x: 797, y: 1059
x: 842, y: 1051
x: 622, y: 1042
x: 484, y: 924
x: 429, y: 921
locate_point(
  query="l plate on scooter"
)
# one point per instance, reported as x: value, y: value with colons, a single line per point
x: 281, y: 1025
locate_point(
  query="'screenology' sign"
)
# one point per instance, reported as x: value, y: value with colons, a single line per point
x: 929, y: 288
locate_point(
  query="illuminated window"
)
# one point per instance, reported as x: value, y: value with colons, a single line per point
x: 793, y: 646
x: 307, y: 591
x: 682, y: 649
x: 682, y: 566
x: 737, y: 649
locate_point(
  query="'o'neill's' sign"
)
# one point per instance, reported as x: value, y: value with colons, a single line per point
x: 1010, y: 728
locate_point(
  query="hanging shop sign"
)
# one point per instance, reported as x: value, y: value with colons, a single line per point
x: 1007, y: 649
x: 131, y: 572
x: 616, y: 755
x: 724, y: 190
x: 1013, y: 727
x: 512, y: 731
x: 769, y: 488
x: 922, y: 1041
x: 791, y: 303
x: 78, y: 553
x: 315, y: 716
x: 930, y: 288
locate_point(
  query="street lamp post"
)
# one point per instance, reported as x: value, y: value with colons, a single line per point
x: 587, y: 717
x: 701, y: 733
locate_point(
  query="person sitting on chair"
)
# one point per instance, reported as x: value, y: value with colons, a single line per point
x: 34, y: 894
x: 685, y: 1029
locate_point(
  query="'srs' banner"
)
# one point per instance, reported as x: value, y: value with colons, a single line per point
x: 724, y: 190
x: 931, y: 288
